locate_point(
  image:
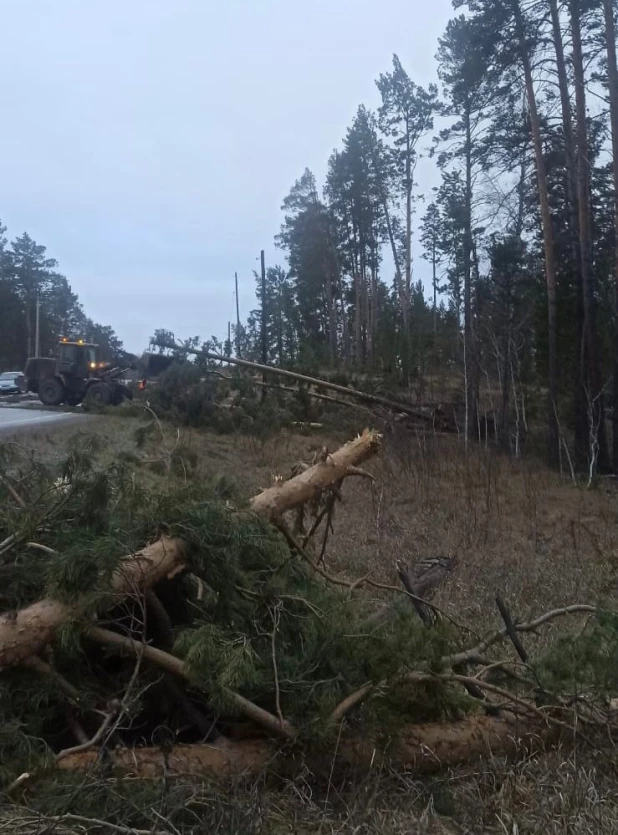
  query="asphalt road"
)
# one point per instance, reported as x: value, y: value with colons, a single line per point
x: 14, y: 420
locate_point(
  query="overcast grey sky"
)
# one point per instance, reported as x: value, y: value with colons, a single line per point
x: 149, y: 143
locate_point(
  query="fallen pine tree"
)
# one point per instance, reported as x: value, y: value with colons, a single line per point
x: 228, y: 632
x: 423, y: 749
x: 433, y: 417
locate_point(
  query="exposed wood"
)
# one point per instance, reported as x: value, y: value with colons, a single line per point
x: 26, y: 632
x: 223, y: 758
x: 276, y: 500
x: 426, y: 749
x: 423, y: 749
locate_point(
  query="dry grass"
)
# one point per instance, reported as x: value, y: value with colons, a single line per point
x: 559, y: 793
x: 515, y: 527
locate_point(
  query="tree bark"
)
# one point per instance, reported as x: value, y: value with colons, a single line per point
x: 589, y: 359
x: 612, y: 84
x: 470, y: 375
x: 405, y: 307
x: 579, y: 395
x: 423, y: 749
x: 26, y: 632
x: 548, y: 239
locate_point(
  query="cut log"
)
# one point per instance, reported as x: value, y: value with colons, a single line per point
x: 275, y: 501
x: 422, y: 749
x: 429, y: 748
x: 224, y: 758
x: 25, y: 633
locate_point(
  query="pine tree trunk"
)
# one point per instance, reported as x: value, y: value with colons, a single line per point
x: 345, y: 325
x: 469, y: 347
x: 274, y: 501
x: 598, y: 456
x: 506, y: 362
x: 358, y: 350
x: 579, y: 396
x: 365, y: 304
x: 553, y: 439
x: 374, y: 312
x: 25, y: 633
x: 408, y: 265
x: 422, y: 749
x: 612, y: 78
x: 332, y: 318
x: 356, y: 261
x: 399, y: 279
x: 434, y: 281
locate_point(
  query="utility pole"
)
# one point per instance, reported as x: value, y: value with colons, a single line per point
x: 264, y: 342
x: 237, y: 317
x: 36, y: 325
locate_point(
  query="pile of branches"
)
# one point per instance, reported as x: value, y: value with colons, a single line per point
x: 176, y: 630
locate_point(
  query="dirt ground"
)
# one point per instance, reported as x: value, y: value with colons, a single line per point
x: 514, y: 527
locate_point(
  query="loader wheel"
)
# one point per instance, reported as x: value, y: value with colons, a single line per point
x: 51, y: 392
x: 99, y: 394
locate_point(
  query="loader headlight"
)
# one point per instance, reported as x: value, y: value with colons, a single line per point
x: 93, y: 365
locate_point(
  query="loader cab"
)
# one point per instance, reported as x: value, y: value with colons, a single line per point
x: 78, y: 359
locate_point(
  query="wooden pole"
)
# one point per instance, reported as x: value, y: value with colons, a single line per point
x: 237, y: 316
x: 264, y: 342
x: 37, y: 345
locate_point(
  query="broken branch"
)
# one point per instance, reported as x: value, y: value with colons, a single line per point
x: 275, y: 501
x: 175, y: 665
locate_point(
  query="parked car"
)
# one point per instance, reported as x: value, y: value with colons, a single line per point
x: 12, y: 382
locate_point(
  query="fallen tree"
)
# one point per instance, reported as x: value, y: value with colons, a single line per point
x: 275, y: 501
x: 216, y: 631
x: 25, y: 632
x: 433, y: 417
x: 423, y: 749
